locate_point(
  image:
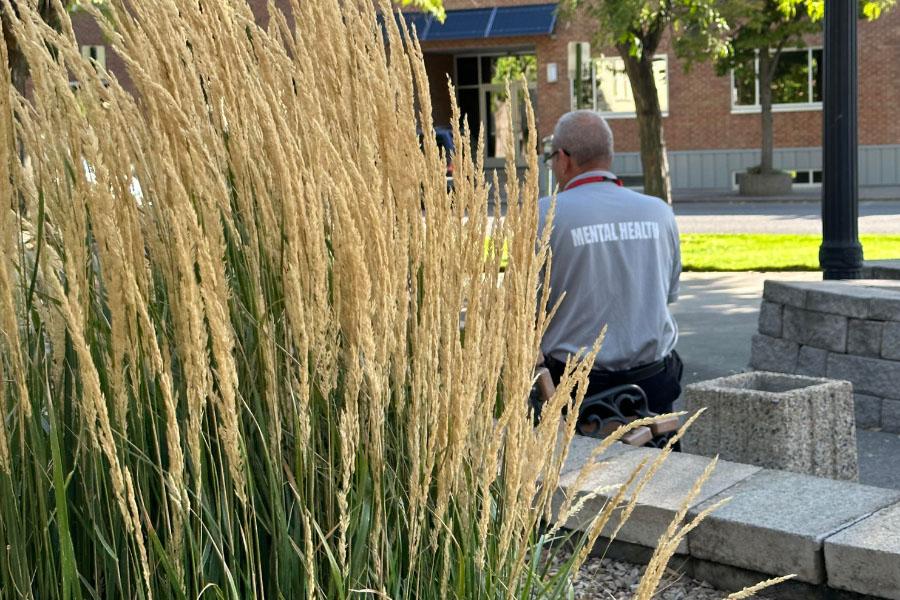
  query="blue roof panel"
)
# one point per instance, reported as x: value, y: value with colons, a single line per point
x: 537, y: 19
x: 420, y: 20
x: 480, y: 23
x: 461, y: 25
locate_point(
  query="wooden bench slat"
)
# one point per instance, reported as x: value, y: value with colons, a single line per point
x: 667, y: 425
x: 638, y: 436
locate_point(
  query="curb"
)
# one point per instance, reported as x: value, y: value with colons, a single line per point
x: 842, y: 539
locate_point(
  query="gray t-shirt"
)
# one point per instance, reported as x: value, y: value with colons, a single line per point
x: 616, y: 255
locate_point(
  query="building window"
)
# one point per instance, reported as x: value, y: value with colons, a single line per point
x: 606, y: 88
x: 797, y: 84
x: 800, y: 178
x: 806, y: 177
x: 492, y: 108
x: 96, y: 54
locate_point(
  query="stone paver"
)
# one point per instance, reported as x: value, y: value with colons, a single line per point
x: 864, y: 337
x: 783, y: 293
x: 580, y: 451
x: 868, y: 410
x: 773, y: 354
x: 865, y: 558
x: 776, y: 522
x: 890, y: 341
x: 826, y: 301
x: 890, y: 419
x: 812, y: 362
x: 659, y: 501
x: 872, y: 376
x: 817, y: 329
x: 770, y: 319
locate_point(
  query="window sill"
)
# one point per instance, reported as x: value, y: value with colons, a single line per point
x: 778, y: 108
x: 631, y: 115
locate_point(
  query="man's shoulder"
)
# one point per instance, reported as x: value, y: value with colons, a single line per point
x: 639, y: 202
x: 637, y: 196
x: 645, y: 202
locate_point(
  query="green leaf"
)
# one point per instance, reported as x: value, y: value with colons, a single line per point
x: 166, y: 563
x: 435, y: 7
x: 337, y: 576
x: 70, y: 579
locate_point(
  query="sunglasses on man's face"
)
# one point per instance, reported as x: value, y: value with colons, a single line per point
x: 552, y: 155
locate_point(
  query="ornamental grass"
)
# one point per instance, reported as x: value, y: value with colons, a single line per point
x: 231, y: 364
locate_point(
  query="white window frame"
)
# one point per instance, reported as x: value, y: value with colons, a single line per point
x: 781, y: 107
x: 812, y: 175
x: 101, y: 53
x: 620, y: 114
x: 811, y: 185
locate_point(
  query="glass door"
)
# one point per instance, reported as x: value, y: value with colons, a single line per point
x: 499, y: 114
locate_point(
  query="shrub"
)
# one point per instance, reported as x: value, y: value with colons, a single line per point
x: 245, y: 377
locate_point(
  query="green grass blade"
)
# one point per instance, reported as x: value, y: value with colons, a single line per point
x: 70, y: 578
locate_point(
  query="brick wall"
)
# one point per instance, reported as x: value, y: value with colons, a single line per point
x: 879, y: 80
x: 700, y: 116
x: 88, y: 33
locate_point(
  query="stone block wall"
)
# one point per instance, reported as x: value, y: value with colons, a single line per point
x: 846, y: 330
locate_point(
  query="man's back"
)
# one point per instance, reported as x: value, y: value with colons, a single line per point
x: 616, y: 256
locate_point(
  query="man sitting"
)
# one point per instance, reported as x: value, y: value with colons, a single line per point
x: 616, y: 256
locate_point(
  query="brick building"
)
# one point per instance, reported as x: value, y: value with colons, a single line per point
x: 711, y: 123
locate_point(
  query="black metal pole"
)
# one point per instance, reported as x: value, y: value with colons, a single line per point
x: 841, y: 254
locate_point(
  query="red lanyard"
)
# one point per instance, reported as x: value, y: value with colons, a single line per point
x: 593, y: 179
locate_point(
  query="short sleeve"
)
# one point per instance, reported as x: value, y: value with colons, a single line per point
x: 675, y: 280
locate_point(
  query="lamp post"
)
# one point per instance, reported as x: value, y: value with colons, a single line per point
x: 841, y: 254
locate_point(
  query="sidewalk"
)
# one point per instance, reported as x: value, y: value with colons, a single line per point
x: 812, y: 194
x: 717, y: 315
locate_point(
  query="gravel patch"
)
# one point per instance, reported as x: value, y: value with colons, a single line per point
x: 606, y: 579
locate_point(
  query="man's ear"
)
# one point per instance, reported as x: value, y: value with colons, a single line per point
x: 570, y: 166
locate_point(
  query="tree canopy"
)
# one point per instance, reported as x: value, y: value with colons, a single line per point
x: 776, y: 24
x: 435, y: 7
x: 639, y: 25
x: 759, y: 32
x: 636, y: 28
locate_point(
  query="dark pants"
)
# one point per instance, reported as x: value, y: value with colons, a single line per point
x: 662, y: 389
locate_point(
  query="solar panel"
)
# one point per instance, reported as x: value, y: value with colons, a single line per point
x: 421, y: 22
x: 536, y: 19
x: 461, y: 25
x: 503, y: 21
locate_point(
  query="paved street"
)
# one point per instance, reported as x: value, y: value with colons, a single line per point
x: 877, y: 217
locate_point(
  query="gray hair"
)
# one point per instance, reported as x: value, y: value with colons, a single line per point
x: 585, y: 136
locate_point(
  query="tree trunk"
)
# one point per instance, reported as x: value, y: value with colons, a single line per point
x: 654, y: 161
x: 18, y: 65
x: 766, y: 72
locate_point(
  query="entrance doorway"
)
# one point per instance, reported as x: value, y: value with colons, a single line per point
x: 484, y: 101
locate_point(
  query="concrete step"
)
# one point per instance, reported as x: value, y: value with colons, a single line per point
x: 836, y: 536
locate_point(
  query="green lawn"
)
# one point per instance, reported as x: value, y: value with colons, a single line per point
x: 760, y: 252
x: 769, y: 252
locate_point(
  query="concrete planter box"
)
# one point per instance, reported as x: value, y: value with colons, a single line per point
x: 777, y: 421
x: 765, y: 184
